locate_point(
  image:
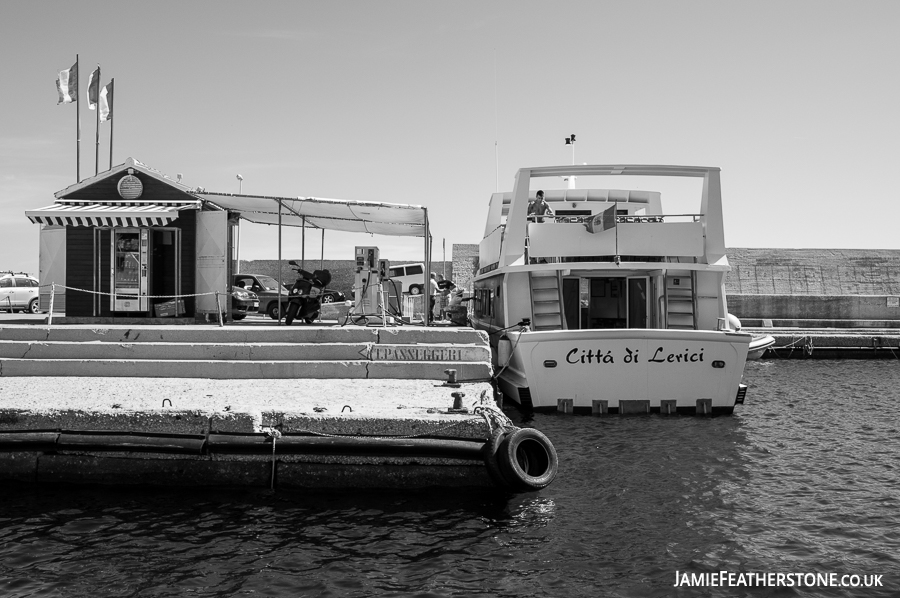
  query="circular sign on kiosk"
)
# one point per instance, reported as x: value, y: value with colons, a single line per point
x: 130, y: 187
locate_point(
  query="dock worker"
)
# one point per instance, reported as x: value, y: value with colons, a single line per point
x: 445, y: 286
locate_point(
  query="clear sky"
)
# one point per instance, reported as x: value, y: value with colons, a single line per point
x: 797, y: 101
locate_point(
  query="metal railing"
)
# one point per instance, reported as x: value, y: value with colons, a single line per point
x: 53, y: 286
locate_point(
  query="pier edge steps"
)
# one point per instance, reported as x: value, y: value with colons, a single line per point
x: 259, y: 352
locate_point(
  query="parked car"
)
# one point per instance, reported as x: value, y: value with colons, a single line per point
x: 332, y: 296
x: 266, y: 289
x: 19, y: 292
x: 243, y: 302
x: 409, y: 277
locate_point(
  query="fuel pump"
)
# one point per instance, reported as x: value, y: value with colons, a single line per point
x: 393, y: 293
x: 367, y: 283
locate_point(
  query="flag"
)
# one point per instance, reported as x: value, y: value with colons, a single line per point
x: 67, y: 85
x: 605, y: 220
x: 106, y: 102
x: 93, y: 90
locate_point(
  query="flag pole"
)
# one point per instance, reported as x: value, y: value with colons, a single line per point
x: 77, y: 125
x: 97, y: 146
x: 111, y: 98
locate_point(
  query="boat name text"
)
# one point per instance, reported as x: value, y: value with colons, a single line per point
x: 576, y: 356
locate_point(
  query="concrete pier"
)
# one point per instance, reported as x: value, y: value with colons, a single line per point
x: 303, y: 406
x: 202, y: 432
x: 799, y: 342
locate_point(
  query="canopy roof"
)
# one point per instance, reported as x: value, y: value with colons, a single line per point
x: 315, y: 212
x: 332, y: 214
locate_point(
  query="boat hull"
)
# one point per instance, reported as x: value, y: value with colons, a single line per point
x: 759, y: 345
x: 623, y: 370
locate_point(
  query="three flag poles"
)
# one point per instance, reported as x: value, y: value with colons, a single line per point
x: 102, y: 101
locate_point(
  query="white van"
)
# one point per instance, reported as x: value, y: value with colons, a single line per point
x: 410, y: 278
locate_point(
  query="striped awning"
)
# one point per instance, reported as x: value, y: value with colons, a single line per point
x: 101, y: 214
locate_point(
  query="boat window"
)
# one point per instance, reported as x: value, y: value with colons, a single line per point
x: 483, y: 302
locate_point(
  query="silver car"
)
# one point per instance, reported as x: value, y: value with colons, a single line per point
x: 18, y: 292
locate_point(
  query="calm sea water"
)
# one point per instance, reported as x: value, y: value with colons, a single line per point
x: 803, y: 479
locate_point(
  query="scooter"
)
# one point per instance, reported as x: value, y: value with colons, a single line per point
x: 303, y: 298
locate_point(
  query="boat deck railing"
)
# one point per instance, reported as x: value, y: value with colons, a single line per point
x: 648, y: 219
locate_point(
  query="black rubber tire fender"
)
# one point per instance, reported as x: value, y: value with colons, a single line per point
x: 527, y: 459
x: 491, y: 462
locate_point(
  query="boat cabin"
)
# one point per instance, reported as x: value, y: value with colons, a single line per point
x: 603, y: 258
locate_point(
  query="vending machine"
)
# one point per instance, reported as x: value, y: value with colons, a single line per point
x: 130, y: 265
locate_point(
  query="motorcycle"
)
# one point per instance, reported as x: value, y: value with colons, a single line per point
x: 303, y: 298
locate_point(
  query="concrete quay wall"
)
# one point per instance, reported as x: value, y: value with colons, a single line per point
x: 851, y: 308
x: 217, y: 432
x: 805, y: 342
x: 838, y: 287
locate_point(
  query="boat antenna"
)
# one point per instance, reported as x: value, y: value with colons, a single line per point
x: 570, y: 140
x: 496, y: 130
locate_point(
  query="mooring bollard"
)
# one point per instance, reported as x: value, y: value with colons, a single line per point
x: 451, y: 378
x: 458, y: 403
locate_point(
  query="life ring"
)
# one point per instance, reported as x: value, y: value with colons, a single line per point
x: 523, y: 460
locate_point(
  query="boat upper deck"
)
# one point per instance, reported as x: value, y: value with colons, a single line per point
x: 604, y: 225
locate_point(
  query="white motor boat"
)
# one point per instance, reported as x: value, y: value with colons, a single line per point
x: 759, y: 345
x: 608, y: 304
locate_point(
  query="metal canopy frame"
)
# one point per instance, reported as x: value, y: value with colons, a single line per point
x: 327, y: 214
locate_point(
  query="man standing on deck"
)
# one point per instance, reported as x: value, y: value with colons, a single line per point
x: 538, y: 206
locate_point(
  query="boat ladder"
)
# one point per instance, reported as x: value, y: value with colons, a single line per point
x: 680, y: 312
x: 546, y: 302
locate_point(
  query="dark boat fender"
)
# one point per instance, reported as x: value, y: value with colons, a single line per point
x: 523, y: 459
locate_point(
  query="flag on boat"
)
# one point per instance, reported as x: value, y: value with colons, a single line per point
x: 605, y: 220
x: 93, y: 90
x: 67, y: 85
x: 106, y: 102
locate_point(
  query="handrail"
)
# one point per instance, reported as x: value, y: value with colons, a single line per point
x: 619, y: 218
